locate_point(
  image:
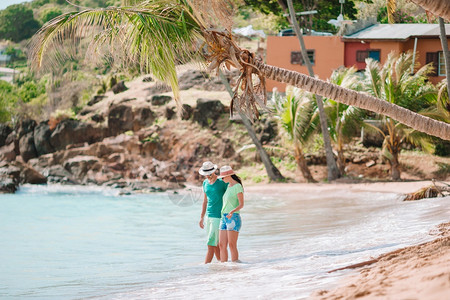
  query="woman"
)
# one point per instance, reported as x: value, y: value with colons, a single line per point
x: 230, y: 224
x: 213, y: 190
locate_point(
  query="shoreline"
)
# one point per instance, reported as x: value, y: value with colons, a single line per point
x: 414, y: 272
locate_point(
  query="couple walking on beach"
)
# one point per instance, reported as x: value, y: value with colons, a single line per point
x: 223, y: 199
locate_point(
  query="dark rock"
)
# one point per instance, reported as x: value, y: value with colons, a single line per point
x: 267, y: 130
x: 26, y: 146
x: 208, y: 112
x: 158, y: 88
x: 142, y: 116
x: 80, y: 165
x: 24, y: 127
x: 42, y: 135
x: 57, y: 174
x: 30, y: 175
x: 96, y: 99
x: 187, y: 112
x: 160, y: 99
x: 214, y: 84
x: 119, y: 87
x: 5, y: 130
x: 8, y: 153
x: 120, y: 119
x: 98, y: 118
x: 147, y: 79
x: 8, y: 185
x: 227, y: 150
x: 169, y: 113
x: 14, y: 140
x: 70, y: 131
x: 192, y: 78
x: 10, y: 171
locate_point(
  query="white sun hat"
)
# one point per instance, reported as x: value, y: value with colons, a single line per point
x: 226, y: 171
x: 207, y: 168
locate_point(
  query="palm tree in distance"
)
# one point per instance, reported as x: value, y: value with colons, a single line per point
x: 159, y: 33
x: 393, y: 82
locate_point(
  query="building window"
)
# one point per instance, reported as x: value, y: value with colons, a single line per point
x: 433, y: 58
x: 361, y: 55
x: 297, y: 58
x: 441, y: 65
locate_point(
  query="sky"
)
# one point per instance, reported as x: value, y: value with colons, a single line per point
x: 6, y: 3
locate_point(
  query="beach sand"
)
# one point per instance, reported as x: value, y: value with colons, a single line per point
x: 416, y: 272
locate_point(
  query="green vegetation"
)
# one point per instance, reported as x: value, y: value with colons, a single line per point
x: 17, y: 23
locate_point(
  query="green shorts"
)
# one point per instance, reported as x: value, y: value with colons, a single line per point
x: 212, y: 230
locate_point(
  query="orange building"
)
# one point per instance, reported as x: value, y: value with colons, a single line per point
x: 376, y: 41
x: 325, y: 52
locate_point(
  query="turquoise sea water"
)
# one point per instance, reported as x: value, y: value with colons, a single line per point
x: 75, y: 242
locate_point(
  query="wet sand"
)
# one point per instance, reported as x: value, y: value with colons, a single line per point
x: 416, y: 272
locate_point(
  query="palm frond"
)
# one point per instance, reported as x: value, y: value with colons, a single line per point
x: 152, y: 34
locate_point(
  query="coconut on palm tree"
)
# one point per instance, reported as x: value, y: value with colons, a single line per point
x: 394, y: 83
x: 157, y: 34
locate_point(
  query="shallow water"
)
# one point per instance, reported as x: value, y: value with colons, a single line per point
x: 73, y: 242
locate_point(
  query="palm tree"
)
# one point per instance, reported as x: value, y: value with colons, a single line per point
x: 344, y: 119
x: 295, y: 115
x: 333, y: 171
x: 156, y: 34
x: 394, y: 83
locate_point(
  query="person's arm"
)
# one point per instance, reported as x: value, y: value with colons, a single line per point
x: 240, y: 206
x: 202, y: 216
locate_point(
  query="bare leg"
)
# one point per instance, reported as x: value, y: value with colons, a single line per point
x: 217, y: 252
x: 232, y: 243
x: 223, y: 243
x: 209, y: 254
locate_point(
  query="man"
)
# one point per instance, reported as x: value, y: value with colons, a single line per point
x: 213, y: 190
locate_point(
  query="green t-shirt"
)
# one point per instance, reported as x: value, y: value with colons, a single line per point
x: 214, y: 192
x: 230, y: 198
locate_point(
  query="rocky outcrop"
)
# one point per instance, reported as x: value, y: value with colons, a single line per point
x: 80, y: 165
x: 208, y: 112
x: 15, y: 173
x: 71, y: 131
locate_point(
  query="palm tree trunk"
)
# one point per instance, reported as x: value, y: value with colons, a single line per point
x: 395, y: 166
x: 272, y: 171
x: 302, y: 165
x: 341, y: 158
x: 333, y: 171
x: 446, y: 53
x: 358, y: 99
x: 436, y: 7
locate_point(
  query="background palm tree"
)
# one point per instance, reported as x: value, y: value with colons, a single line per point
x: 394, y: 83
x: 436, y: 7
x: 333, y: 170
x: 156, y: 34
x: 295, y: 115
x: 345, y: 120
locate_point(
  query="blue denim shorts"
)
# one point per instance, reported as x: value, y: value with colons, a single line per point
x: 234, y: 223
